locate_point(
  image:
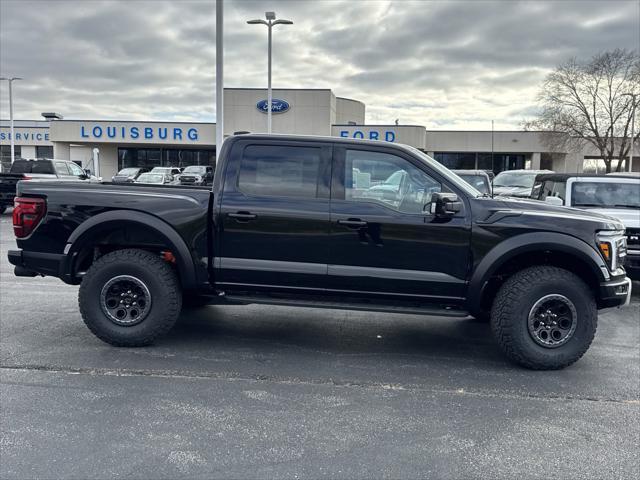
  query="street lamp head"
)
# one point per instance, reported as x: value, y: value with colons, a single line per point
x: 270, y: 15
x: 282, y: 22
x: 257, y: 22
x: 11, y: 79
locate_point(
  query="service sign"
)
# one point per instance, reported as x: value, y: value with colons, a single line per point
x: 277, y: 106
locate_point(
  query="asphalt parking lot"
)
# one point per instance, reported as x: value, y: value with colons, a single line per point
x: 271, y: 392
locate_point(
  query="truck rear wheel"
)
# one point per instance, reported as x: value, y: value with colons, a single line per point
x: 544, y: 318
x: 128, y: 298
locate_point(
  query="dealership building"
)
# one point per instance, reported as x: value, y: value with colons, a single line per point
x: 120, y: 144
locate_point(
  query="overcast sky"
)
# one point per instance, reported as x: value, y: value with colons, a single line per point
x: 441, y: 64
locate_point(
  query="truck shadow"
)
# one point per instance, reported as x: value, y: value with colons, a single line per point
x: 261, y: 328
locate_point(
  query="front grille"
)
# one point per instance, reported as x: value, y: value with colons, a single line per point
x: 633, y: 238
x: 187, y: 179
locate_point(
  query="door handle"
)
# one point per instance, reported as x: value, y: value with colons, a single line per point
x: 353, y: 223
x: 242, y: 216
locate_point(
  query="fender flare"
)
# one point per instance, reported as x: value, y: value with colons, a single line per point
x: 529, y: 242
x: 106, y: 220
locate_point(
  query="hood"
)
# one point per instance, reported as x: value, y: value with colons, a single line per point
x: 630, y: 217
x: 512, y: 191
x: 542, y: 208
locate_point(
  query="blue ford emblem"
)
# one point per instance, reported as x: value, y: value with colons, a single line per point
x: 277, y: 106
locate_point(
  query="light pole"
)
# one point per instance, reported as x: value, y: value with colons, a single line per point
x: 634, y: 104
x: 13, y: 147
x: 219, y: 78
x: 269, y: 22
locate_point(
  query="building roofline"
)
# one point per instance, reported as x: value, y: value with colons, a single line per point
x: 265, y: 88
x: 351, y: 100
x: 374, y: 125
x: 130, y: 121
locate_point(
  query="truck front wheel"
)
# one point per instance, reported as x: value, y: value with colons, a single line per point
x: 128, y: 298
x: 544, y: 318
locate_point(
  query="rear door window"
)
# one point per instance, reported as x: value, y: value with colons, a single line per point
x: 280, y: 171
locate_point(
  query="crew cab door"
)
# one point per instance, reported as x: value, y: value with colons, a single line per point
x: 381, y: 242
x: 274, y: 216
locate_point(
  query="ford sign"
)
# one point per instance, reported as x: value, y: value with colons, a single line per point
x: 277, y: 106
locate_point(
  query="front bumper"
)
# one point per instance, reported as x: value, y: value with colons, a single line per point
x: 615, y: 292
x: 30, y: 264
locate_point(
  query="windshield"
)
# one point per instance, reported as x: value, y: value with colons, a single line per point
x: 160, y: 170
x: 128, y: 171
x: 151, y: 178
x: 604, y: 194
x: 194, y: 169
x: 514, y: 179
x: 476, y: 181
x: 445, y: 172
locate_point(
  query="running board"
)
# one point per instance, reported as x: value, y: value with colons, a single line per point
x: 414, y: 309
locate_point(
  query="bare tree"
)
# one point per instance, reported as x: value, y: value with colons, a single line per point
x: 585, y: 102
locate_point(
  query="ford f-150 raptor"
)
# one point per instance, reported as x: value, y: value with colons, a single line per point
x: 304, y: 221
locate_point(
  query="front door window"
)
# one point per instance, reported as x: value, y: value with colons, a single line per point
x: 387, y: 180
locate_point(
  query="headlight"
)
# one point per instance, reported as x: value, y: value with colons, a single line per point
x: 612, y: 245
x: 198, y: 178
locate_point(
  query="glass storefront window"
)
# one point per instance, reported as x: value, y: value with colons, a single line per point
x: 5, y: 156
x: 496, y: 162
x: 166, y: 157
x: 45, y: 151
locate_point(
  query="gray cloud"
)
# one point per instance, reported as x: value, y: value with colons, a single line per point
x: 447, y: 64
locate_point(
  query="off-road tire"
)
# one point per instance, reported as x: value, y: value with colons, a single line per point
x: 159, y: 278
x: 510, y: 314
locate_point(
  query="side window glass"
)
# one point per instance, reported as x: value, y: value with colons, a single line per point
x: 75, y: 170
x: 61, y: 168
x: 387, y: 180
x: 281, y: 171
x: 545, y: 189
x: 559, y: 190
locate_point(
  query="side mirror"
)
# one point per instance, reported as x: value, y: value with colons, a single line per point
x: 444, y: 205
x: 554, y: 201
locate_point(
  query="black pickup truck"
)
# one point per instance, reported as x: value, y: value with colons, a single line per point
x: 326, y: 222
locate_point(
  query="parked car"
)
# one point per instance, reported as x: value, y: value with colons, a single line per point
x: 294, y: 230
x: 128, y: 175
x: 169, y: 172
x: 615, y: 195
x: 197, y: 175
x: 155, y: 178
x: 41, y: 168
x: 515, y: 183
x: 478, y: 179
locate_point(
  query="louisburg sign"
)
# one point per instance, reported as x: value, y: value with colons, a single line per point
x: 277, y: 106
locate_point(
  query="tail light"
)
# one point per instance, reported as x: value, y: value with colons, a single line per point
x: 27, y: 213
x: 26, y: 177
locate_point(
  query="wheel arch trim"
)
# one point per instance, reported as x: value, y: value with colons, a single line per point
x: 529, y: 243
x: 106, y: 220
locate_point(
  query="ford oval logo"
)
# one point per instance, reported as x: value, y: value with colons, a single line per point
x: 277, y: 106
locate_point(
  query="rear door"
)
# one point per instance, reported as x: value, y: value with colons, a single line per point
x: 274, y: 216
